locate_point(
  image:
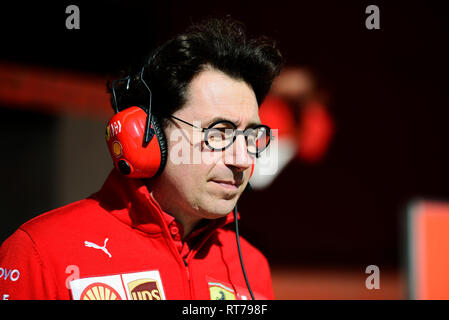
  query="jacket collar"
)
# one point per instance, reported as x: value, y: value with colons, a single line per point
x: 130, y: 201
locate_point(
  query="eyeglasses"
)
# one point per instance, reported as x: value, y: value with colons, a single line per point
x: 222, y: 133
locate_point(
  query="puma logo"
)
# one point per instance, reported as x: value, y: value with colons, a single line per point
x: 96, y: 246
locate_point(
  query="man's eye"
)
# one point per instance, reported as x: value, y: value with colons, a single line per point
x: 220, y: 134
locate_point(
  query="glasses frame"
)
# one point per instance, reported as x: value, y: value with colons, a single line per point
x: 236, y: 131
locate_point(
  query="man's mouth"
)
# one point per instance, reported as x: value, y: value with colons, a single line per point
x: 228, y: 184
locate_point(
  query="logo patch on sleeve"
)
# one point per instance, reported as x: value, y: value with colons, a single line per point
x: 145, y: 285
x: 219, y: 291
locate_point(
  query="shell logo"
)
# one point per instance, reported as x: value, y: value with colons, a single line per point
x: 99, y: 291
x: 117, y: 149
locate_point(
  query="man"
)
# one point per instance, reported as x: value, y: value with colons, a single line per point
x: 168, y: 235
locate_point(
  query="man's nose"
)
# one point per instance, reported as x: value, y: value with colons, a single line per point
x: 237, y: 154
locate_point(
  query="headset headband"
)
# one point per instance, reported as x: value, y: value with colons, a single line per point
x: 149, y: 132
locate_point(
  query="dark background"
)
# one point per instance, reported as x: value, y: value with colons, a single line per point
x: 388, y: 91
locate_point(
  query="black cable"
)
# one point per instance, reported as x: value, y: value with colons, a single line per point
x: 240, y: 252
x: 149, y: 132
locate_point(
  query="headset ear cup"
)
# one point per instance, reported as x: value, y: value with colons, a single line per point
x: 131, y: 156
x: 162, y: 140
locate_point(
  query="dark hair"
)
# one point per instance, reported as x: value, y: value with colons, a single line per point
x: 219, y: 43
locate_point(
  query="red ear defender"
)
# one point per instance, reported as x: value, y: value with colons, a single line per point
x: 125, y: 139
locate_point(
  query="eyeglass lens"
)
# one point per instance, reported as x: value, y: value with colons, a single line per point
x: 223, y: 134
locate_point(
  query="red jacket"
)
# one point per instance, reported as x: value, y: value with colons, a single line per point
x: 119, y: 244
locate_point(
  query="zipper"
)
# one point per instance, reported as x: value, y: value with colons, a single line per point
x: 174, y: 250
x: 187, y: 270
x: 192, y: 253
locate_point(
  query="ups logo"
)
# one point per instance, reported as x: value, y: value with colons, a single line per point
x: 144, y: 289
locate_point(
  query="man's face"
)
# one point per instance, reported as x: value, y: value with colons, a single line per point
x: 210, y: 188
